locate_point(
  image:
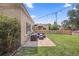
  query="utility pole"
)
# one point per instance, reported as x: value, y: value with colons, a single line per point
x: 56, y: 16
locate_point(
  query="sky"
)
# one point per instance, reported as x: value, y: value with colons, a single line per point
x: 38, y: 10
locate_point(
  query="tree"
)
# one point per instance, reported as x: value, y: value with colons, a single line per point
x: 66, y: 24
x: 74, y: 17
x: 50, y: 26
x: 55, y: 26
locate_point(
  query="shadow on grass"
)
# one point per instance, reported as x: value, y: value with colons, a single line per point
x: 27, y: 51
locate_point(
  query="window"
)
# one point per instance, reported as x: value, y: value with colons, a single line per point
x: 40, y: 27
x: 28, y: 28
x: 44, y: 28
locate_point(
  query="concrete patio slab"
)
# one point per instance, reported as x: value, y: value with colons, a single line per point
x: 45, y: 42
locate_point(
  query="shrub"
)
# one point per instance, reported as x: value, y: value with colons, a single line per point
x: 9, y: 34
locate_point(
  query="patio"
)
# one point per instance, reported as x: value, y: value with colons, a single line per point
x: 45, y: 42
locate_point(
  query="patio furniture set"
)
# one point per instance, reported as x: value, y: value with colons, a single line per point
x: 36, y: 36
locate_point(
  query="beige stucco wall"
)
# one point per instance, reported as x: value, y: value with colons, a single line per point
x: 10, y: 10
x: 18, y: 12
x: 24, y: 20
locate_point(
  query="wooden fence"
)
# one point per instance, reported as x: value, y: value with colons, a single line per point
x: 69, y: 32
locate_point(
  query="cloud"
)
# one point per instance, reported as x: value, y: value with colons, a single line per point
x: 33, y: 16
x: 30, y: 5
x: 44, y: 21
x: 67, y: 5
x: 66, y: 18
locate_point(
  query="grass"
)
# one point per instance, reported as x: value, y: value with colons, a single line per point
x: 66, y: 45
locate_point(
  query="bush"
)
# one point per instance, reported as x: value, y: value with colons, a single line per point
x: 9, y: 34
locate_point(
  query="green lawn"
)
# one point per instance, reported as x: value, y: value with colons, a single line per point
x: 66, y: 45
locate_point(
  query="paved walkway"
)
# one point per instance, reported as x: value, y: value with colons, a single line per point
x: 45, y: 42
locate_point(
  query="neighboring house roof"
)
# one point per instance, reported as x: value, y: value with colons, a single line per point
x: 42, y: 24
x: 76, y: 31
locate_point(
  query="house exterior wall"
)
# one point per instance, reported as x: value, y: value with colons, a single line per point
x: 9, y: 10
x: 18, y: 11
x: 24, y: 21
